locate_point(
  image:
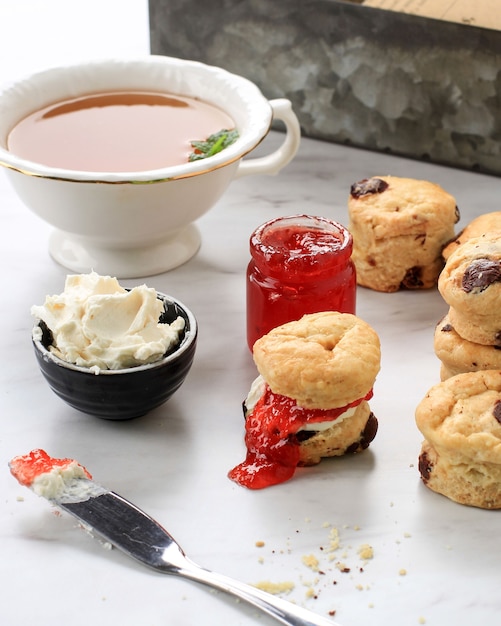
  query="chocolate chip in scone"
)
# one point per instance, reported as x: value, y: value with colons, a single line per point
x: 480, y: 274
x: 412, y: 278
x: 366, y: 436
x: 446, y: 328
x: 457, y: 214
x: 425, y: 466
x: 368, y: 186
x: 353, y: 448
x: 303, y: 435
x: 369, y: 432
x: 497, y: 411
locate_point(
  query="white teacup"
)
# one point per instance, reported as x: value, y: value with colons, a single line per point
x: 141, y: 223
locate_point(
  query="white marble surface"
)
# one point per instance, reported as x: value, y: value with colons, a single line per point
x: 173, y: 463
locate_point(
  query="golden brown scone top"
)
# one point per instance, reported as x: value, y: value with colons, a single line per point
x: 324, y: 360
x: 402, y: 207
x: 462, y: 415
x: 486, y: 223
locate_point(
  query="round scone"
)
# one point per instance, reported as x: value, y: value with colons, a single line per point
x: 481, y: 225
x: 310, y: 400
x: 399, y: 228
x: 470, y: 283
x: 460, y: 419
x: 458, y: 355
x: 323, y: 361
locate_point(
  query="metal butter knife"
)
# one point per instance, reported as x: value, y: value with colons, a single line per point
x: 130, y: 529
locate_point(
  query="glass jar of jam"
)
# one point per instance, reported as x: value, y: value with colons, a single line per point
x: 299, y: 264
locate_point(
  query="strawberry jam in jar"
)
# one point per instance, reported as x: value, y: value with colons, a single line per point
x: 299, y: 264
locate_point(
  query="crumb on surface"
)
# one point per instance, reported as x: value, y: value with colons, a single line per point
x: 342, y: 567
x: 260, y: 544
x: 275, y: 588
x: 311, y: 561
x: 334, y: 540
x: 402, y: 572
x: 366, y: 551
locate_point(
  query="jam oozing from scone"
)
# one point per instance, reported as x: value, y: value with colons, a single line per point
x: 368, y: 186
x: 271, y: 438
x: 30, y: 466
x: 480, y: 274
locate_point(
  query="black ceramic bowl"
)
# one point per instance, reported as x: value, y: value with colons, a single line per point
x: 125, y: 393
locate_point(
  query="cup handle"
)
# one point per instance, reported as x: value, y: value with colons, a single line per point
x: 274, y: 162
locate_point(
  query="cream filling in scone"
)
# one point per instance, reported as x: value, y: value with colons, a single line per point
x: 258, y: 389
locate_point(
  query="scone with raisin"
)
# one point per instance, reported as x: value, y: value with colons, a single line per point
x: 481, y: 225
x: 460, y: 419
x: 310, y: 400
x: 399, y: 228
x: 458, y: 355
x: 470, y: 283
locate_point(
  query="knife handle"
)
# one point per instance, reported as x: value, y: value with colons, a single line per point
x: 282, y: 610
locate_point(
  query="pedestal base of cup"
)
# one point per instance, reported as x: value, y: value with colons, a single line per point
x: 82, y: 255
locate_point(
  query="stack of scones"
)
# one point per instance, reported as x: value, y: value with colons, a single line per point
x: 460, y: 418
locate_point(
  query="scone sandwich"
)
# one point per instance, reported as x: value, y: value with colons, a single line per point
x: 310, y: 399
